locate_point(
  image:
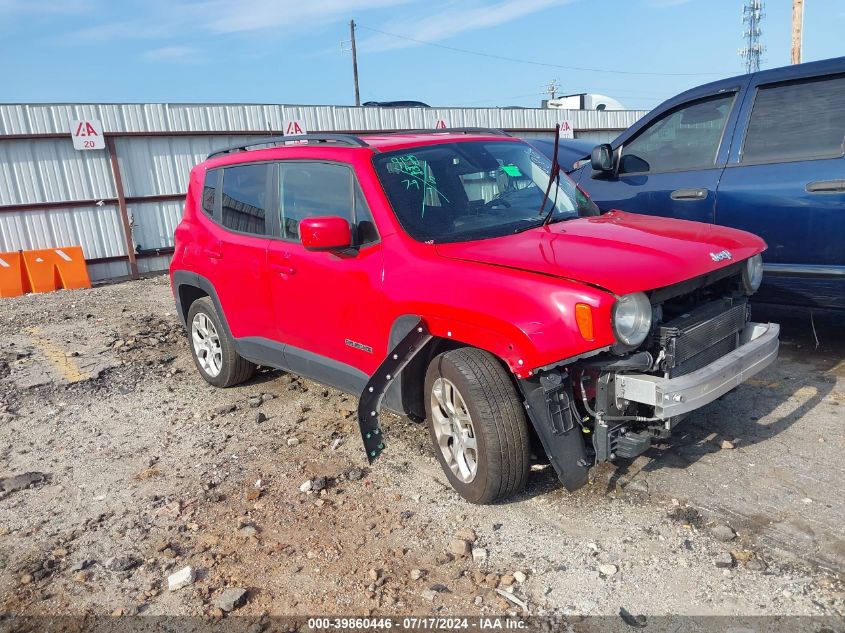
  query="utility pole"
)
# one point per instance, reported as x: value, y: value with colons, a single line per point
x: 354, y: 62
x: 797, y: 30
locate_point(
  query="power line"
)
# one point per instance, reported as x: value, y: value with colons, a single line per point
x: 529, y: 61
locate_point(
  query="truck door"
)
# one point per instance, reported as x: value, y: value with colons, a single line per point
x: 328, y: 305
x: 785, y: 181
x: 237, y: 251
x: 671, y: 166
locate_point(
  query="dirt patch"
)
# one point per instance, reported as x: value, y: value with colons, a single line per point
x: 264, y: 489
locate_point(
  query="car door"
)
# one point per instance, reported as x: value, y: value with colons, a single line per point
x: 785, y: 181
x: 237, y: 250
x: 671, y: 166
x: 328, y: 305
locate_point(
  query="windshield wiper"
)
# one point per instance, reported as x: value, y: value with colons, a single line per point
x: 547, y: 219
x: 554, y: 177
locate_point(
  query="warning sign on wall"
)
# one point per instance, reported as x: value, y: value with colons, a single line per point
x: 294, y: 127
x: 87, y: 134
x: 566, y: 129
x: 440, y: 124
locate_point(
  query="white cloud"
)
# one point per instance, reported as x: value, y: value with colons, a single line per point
x: 453, y: 19
x: 165, y: 19
x: 234, y: 16
x: 121, y: 31
x: 665, y: 4
x: 46, y: 6
x: 171, y: 54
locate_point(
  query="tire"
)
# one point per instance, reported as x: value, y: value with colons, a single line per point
x: 224, y: 367
x: 497, y: 423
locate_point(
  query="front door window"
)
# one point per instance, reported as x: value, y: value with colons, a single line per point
x: 684, y: 139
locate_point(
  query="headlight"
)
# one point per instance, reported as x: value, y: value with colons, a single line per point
x: 632, y: 319
x: 752, y: 274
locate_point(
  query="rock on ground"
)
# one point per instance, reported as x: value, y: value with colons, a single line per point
x: 722, y: 532
x: 231, y: 599
x: 181, y: 578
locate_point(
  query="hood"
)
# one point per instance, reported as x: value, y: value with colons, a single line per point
x: 621, y: 252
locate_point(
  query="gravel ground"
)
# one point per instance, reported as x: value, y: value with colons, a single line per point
x: 140, y: 469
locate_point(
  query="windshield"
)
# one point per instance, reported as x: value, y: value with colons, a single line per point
x: 475, y: 190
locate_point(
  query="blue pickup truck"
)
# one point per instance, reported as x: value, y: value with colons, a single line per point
x: 760, y: 152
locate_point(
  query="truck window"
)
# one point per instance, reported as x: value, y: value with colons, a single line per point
x: 244, y: 198
x: 318, y: 189
x: 797, y: 121
x: 685, y: 138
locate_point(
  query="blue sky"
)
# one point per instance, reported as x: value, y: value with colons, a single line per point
x: 281, y: 51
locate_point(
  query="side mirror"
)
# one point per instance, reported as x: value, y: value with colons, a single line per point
x: 329, y: 233
x: 601, y: 158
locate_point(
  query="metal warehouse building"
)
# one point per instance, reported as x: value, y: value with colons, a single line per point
x: 122, y: 203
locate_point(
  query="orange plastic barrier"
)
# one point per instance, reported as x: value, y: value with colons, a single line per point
x: 13, y: 281
x: 54, y: 268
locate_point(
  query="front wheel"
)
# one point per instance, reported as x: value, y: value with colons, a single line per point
x: 477, y: 424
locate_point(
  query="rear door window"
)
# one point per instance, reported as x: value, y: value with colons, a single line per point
x: 245, y: 197
x: 683, y: 139
x: 797, y: 121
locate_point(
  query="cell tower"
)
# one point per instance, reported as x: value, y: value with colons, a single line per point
x: 752, y: 15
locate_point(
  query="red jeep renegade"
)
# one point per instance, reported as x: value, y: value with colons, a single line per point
x: 460, y: 278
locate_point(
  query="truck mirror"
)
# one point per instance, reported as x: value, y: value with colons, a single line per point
x: 327, y: 233
x: 601, y: 158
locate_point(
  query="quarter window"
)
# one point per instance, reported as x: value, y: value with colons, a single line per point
x: 319, y: 189
x: 686, y: 138
x: 209, y: 191
x: 797, y: 121
x: 244, y: 198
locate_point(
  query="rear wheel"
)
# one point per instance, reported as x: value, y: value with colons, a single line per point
x: 213, y: 349
x: 477, y: 425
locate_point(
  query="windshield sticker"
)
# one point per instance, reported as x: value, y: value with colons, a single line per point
x: 512, y: 171
x: 409, y: 165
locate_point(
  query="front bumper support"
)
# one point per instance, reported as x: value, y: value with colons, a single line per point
x: 672, y: 397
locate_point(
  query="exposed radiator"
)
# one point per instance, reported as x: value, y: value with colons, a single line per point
x: 702, y: 335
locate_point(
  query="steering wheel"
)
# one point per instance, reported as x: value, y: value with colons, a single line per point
x: 497, y: 202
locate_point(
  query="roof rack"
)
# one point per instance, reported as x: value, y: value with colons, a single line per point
x: 450, y: 130
x: 349, y: 140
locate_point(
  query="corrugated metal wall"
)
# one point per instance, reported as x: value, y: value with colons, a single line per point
x: 167, y: 117
x: 52, y: 195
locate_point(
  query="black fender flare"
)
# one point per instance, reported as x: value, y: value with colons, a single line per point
x: 182, y: 278
x: 369, y: 403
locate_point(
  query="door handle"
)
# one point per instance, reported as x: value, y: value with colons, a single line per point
x: 826, y: 186
x: 689, y: 194
x: 282, y: 269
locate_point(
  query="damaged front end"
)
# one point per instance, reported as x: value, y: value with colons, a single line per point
x: 617, y: 403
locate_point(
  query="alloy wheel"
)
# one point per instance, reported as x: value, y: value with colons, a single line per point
x: 206, y: 344
x: 454, y: 430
